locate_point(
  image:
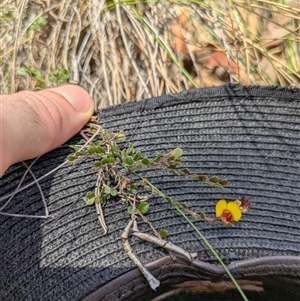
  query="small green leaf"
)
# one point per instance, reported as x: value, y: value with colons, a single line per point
x: 202, y: 215
x: 133, y: 188
x: 78, y: 154
x: 114, y: 192
x: 52, y: 79
x: 98, y: 142
x: 177, y: 152
x: 107, y: 189
x: 41, y: 84
x: 91, y: 150
x: 71, y: 158
x: 214, y: 179
x: 63, y: 73
x: 89, y: 198
x: 177, y: 161
x: 130, y: 209
x: 90, y: 194
x: 129, y: 160
x: 120, y: 137
x: 102, y: 201
x: 41, y: 21
x: 97, y: 163
x: 171, y: 158
x: 143, y: 207
x: 99, y: 150
x: 75, y: 147
x: 137, y: 156
x: 115, y: 147
x: 145, y: 161
x: 163, y: 233
x: 111, y: 160
x: 123, y: 154
x: 90, y: 201
x: 186, y: 171
x: 194, y: 176
x: 130, y: 150
x: 104, y: 161
x: 216, y: 185
x: 21, y: 71
x: 36, y: 75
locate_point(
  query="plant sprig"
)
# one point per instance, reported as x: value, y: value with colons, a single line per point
x: 118, y: 167
x: 117, y: 170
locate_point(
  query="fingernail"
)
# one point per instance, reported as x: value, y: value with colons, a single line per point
x: 76, y: 96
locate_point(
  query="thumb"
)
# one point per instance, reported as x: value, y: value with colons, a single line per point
x: 33, y: 123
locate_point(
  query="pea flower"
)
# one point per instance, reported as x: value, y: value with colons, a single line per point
x: 228, y: 212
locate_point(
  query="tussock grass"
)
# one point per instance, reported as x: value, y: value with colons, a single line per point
x: 132, y: 50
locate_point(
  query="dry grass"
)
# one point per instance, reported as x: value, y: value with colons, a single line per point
x: 134, y: 51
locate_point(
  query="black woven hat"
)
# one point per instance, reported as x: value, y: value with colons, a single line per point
x: 249, y: 135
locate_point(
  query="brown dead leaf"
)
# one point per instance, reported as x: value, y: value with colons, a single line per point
x: 179, y: 45
x: 219, y: 59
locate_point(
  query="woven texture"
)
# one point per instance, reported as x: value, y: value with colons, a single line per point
x: 249, y: 135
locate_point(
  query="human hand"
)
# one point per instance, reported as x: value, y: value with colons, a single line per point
x: 33, y: 123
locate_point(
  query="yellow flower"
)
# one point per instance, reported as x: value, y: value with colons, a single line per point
x: 228, y: 212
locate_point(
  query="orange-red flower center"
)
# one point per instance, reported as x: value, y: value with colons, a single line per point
x: 227, y: 216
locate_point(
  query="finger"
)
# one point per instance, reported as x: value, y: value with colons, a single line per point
x: 33, y: 123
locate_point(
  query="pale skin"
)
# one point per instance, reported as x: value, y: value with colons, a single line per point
x: 34, y: 123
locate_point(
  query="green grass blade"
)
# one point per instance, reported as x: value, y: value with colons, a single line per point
x: 213, y: 252
x: 204, y: 239
x: 165, y: 47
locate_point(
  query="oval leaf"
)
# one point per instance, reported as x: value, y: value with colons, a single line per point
x: 114, y: 192
x: 21, y: 71
x: 120, y: 137
x: 177, y: 152
x: 143, y: 207
x: 71, y: 158
x: 214, y: 179
x: 163, y: 233
x: 99, y: 150
x: 202, y: 215
x: 91, y: 150
x: 104, y: 161
x: 129, y: 160
x: 145, y: 161
x: 89, y: 198
x: 90, y: 201
x: 137, y: 156
x: 107, y: 189
x: 97, y: 163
